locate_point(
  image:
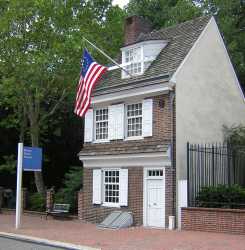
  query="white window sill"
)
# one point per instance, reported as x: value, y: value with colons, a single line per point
x: 131, y: 138
x: 107, y: 204
x: 101, y: 141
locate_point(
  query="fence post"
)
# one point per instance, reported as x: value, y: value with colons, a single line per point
x: 24, y: 193
x: 229, y: 165
x: 49, y: 199
x: 213, y: 164
x: 188, y: 175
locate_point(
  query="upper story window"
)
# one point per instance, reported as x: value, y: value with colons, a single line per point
x: 133, y: 61
x: 137, y: 58
x: 101, y: 124
x: 121, y: 121
x: 134, y: 120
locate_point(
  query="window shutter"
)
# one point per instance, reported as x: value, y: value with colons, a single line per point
x: 123, y: 187
x: 88, y: 130
x: 147, y: 111
x: 97, y: 186
x: 116, y: 122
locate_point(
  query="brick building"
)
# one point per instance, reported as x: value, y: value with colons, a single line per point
x: 138, y: 124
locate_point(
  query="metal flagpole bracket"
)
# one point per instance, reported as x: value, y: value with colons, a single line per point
x: 108, y: 57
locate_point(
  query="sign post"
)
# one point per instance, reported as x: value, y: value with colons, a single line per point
x: 29, y: 159
x: 19, y: 184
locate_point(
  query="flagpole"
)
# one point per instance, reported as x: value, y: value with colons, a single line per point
x: 108, y: 57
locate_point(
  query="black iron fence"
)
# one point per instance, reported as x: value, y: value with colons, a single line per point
x: 211, y: 165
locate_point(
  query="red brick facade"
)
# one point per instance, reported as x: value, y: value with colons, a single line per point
x: 213, y: 220
x: 135, y: 25
x: 163, y: 120
x: 161, y: 131
x: 96, y: 213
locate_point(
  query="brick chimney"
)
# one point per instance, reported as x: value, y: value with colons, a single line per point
x: 133, y: 26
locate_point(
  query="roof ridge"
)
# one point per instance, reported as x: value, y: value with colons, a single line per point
x: 174, y: 26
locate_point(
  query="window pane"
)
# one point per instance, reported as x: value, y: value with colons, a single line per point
x: 111, y: 186
x: 101, y: 124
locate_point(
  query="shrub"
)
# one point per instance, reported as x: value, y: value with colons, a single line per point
x: 72, y: 183
x: 221, y: 196
x: 36, y: 202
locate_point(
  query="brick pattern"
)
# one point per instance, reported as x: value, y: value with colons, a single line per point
x: 213, y: 220
x: 96, y: 213
x: 24, y: 194
x: 161, y: 133
x: 133, y: 26
x: 49, y: 199
x: 169, y: 198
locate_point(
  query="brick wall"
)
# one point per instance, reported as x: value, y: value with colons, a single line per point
x: 96, y: 213
x: 169, y: 193
x: 161, y: 131
x: 134, y: 25
x: 213, y: 220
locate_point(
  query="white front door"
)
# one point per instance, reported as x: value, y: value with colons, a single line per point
x: 155, y: 199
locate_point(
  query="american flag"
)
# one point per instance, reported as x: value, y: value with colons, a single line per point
x: 90, y: 74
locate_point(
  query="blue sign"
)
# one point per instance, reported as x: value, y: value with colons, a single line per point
x: 32, y: 159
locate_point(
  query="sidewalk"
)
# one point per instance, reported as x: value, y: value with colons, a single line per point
x: 135, y: 238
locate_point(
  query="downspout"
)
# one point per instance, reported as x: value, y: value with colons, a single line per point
x: 171, y: 104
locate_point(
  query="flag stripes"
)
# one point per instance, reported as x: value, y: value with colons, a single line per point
x: 86, y: 84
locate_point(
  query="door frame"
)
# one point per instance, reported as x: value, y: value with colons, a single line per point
x: 145, y: 207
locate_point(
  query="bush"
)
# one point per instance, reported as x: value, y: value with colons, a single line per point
x: 221, y: 196
x: 72, y: 183
x: 36, y: 202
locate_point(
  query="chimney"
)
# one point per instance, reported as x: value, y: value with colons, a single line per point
x: 134, y: 25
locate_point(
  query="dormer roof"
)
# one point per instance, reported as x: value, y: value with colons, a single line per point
x: 180, y: 39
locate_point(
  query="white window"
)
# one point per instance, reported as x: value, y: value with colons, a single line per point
x: 133, y: 60
x: 134, y: 120
x: 111, y: 186
x: 101, y: 124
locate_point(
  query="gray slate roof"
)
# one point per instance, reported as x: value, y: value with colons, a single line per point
x: 181, y: 39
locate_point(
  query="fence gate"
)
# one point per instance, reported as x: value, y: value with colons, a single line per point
x: 212, y: 165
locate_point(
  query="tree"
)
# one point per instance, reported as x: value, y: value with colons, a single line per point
x: 40, y: 47
x: 163, y: 13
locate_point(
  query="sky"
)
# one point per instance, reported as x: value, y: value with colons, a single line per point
x: 121, y: 3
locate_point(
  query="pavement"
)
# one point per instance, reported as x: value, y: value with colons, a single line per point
x: 134, y: 238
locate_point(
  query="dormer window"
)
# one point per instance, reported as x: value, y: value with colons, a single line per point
x: 137, y: 58
x: 133, y: 61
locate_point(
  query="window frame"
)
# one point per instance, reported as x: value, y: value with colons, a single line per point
x: 124, y: 74
x: 136, y: 137
x: 104, y: 203
x: 94, y: 125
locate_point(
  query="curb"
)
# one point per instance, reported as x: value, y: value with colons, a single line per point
x: 45, y: 242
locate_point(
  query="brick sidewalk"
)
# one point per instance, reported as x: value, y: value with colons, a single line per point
x: 137, y: 238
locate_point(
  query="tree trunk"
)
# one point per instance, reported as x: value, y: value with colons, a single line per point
x: 41, y: 189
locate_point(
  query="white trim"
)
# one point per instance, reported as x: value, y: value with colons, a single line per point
x: 133, y: 138
x: 103, y: 203
x: 156, y: 159
x: 182, y: 198
x: 110, y: 204
x: 146, y: 91
x: 163, y: 178
x: 144, y: 43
